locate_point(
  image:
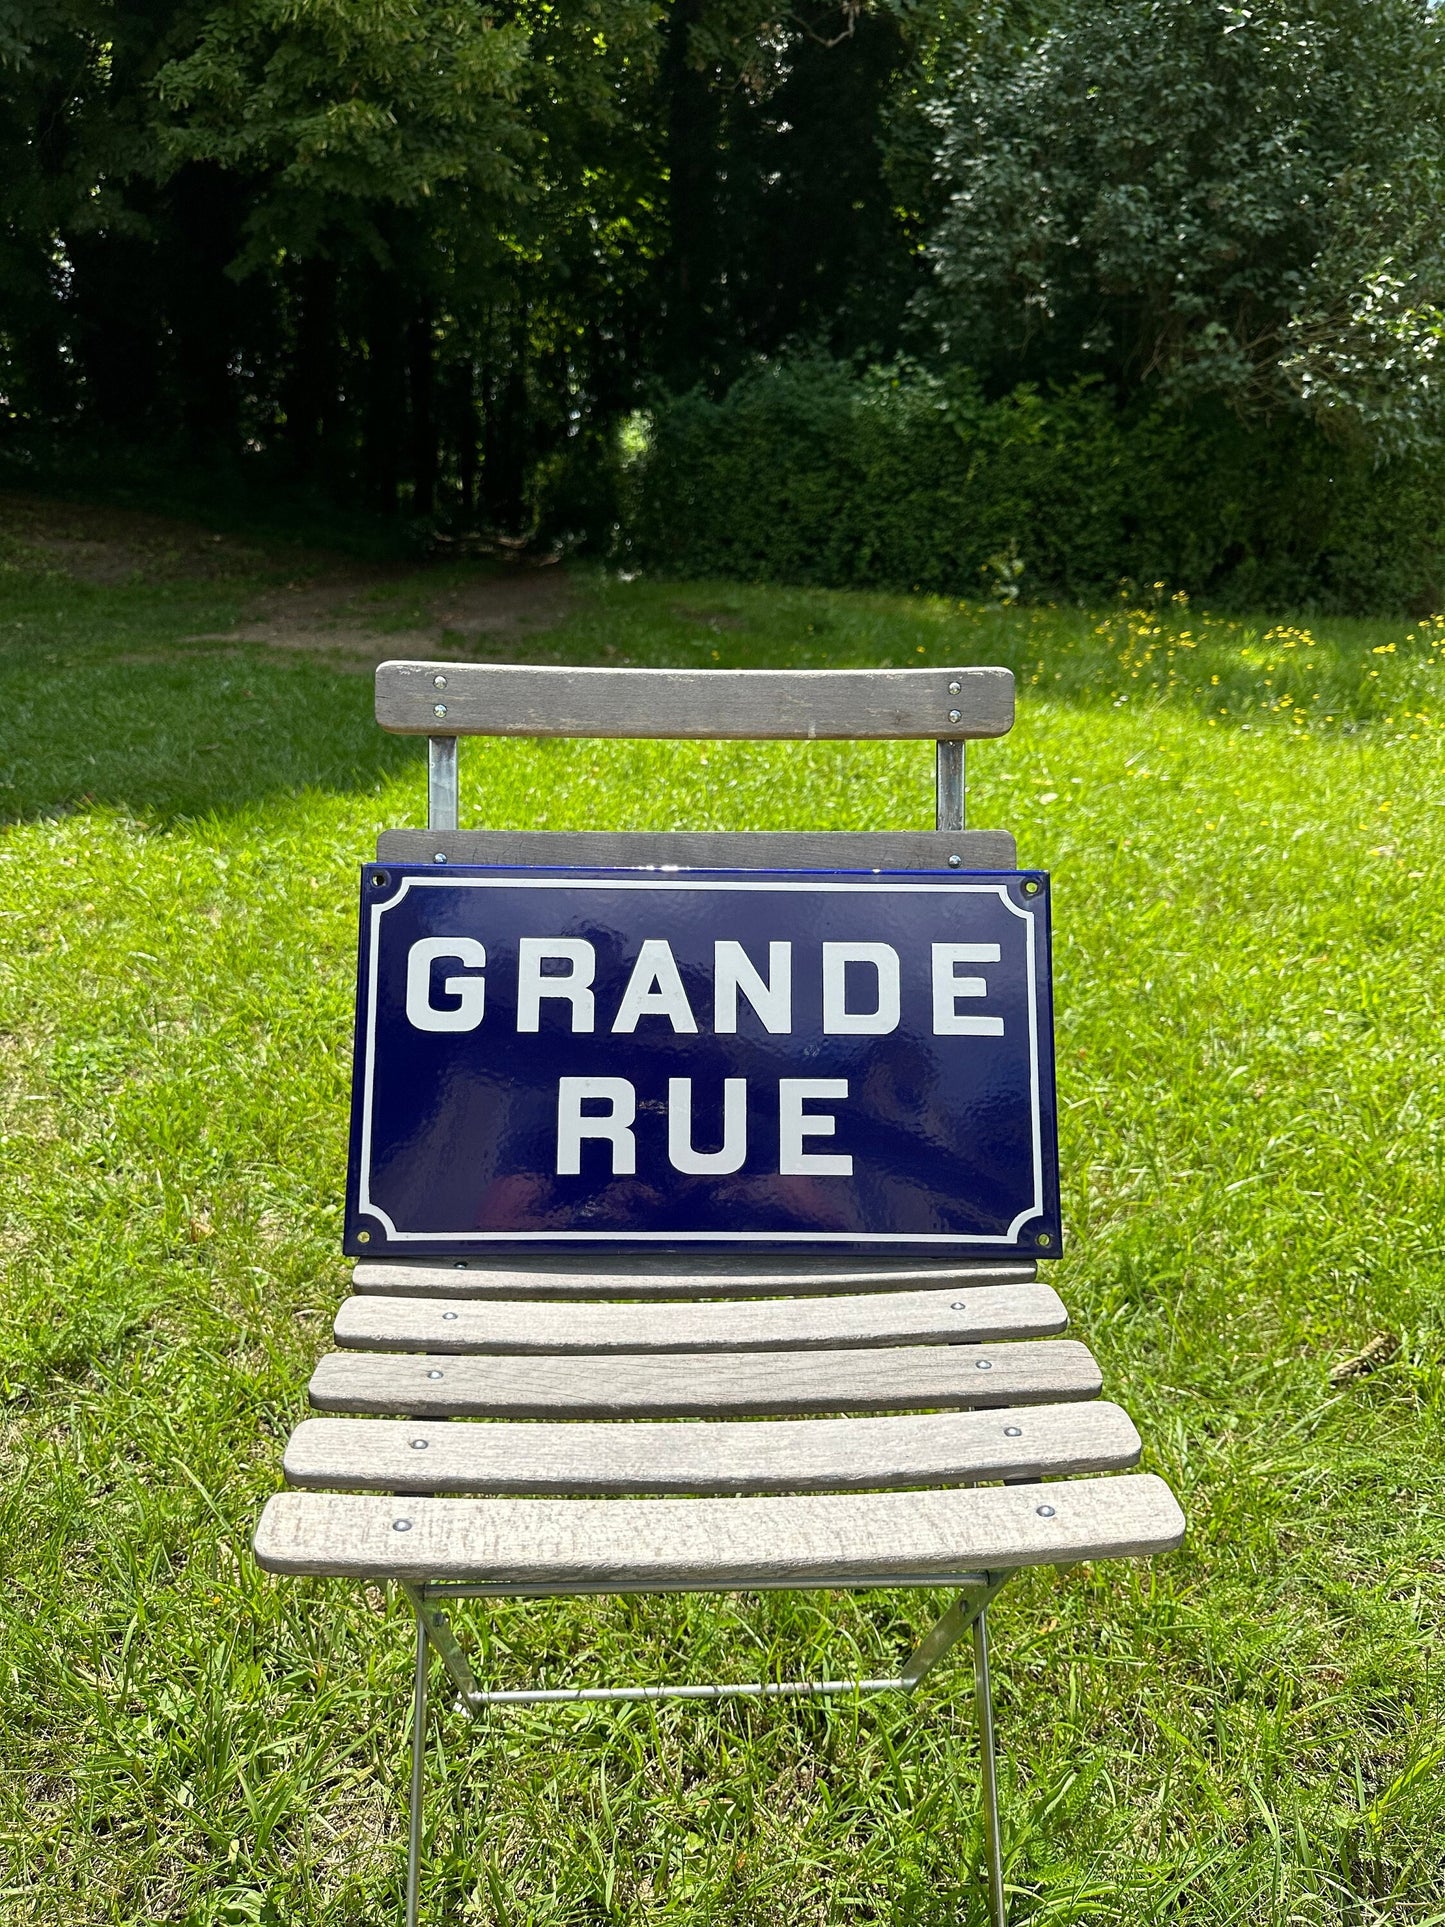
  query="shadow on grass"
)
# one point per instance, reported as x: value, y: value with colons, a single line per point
x: 125, y: 698
x: 187, y: 737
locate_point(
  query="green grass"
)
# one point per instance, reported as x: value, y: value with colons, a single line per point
x: 1249, y: 933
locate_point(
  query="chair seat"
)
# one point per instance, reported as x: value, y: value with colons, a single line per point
x: 647, y: 1545
x: 571, y: 1441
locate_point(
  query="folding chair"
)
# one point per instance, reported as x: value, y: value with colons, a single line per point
x: 912, y: 1406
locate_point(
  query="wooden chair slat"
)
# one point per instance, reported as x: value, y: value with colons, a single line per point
x: 370, y: 1322
x: 669, y: 1276
x: 605, y: 1545
x: 707, y: 1385
x: 707, y: 849
x: 775, y: 705
x: 779, y: 1455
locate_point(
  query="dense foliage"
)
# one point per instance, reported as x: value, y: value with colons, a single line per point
x: 429, y: 254
x: 900, y: 479
x: 1203, y: 197
x: 1186, y: 323
x: 435, y: 257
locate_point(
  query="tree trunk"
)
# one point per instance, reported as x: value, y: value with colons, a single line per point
x: 463, y: 410
x: 204, y: 208
x: 504, y: 444
x: 310, y: 389
x: 115, y: 303
x: 420, y: 386
x: 691, y: 269
x: 385, y: 392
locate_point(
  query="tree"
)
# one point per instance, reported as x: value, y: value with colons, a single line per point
x: 440, y: 197
x: 425, y: 254
x: 784, y: 225
x: 1198, y: 197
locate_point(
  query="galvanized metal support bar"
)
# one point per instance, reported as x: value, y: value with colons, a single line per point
x: 764, y: 1689
x: 988, y: 1769
x: 968, y: 1612
x: 436, y: 1628
x: 569, y: 1589
x: 965, y: 1611
x: 950, y: 782
x: 418, y: 1767
x: 442, y: 796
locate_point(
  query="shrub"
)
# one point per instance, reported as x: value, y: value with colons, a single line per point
x: 811, y: 472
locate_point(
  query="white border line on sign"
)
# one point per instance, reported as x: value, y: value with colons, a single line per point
x: 367, y: 1207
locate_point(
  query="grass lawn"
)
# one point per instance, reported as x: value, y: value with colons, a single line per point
x: 1246, y: 828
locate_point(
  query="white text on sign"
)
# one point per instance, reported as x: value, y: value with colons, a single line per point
x: 613, y: 1125
x: 861, y: 987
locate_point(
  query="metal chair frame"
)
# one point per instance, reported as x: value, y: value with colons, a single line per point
x: 968, y: 1615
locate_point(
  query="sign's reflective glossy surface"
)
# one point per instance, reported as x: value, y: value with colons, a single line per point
x: 794, y: 1060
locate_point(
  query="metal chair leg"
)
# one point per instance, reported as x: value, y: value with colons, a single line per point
x: 992, y: 1832
x: 418, y: 1764
x: 983, y: 1700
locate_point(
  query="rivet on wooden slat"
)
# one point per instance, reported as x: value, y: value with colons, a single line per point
x: 433, y: 1374
x: 983, y: 1365
x: 1044, y: 1511
x: 450, y: 1317
x: 1013, y: 1431
x: 418, y: 1445
x: 401, y: 1525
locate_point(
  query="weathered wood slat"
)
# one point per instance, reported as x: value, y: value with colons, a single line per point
x: 781, y: 1455
x: 370, y: 1322
x: 648, y: 1544
x: 666, y: 1275
x: 710, y: 1385
x: 708, y: 849
x: 491, y: 699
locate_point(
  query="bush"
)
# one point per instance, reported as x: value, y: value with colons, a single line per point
x: 810, y: 472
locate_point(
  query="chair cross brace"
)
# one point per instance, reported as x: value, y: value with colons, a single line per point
x: 967, y: 1614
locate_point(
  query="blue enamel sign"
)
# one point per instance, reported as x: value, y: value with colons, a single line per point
x: 805, y: 1061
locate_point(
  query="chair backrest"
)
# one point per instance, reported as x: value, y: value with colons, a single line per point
x: 447, y: 700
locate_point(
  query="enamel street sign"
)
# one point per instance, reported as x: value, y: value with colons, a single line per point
x: 787, y: 1060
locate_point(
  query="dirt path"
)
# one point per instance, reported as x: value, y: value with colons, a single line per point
x: 347, y: 615
x: 308, y: 600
